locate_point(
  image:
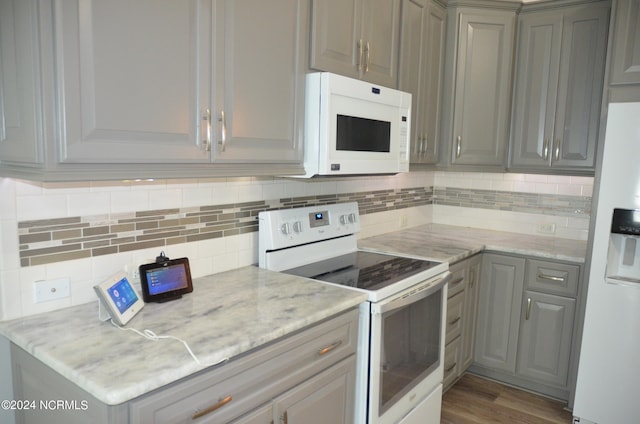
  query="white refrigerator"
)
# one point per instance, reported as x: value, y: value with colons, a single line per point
x: 608, y: 383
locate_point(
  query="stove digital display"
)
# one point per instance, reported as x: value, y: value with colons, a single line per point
x: 318, y: 219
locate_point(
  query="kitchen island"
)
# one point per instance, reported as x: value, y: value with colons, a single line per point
x: 228, y: 317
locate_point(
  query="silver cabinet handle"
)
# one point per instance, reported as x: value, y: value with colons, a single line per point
x: 456, y: 281
x: 550, y: 278
x: 458, y: 146
x: 223, y: 131
x: 455, y: 321
x: 545, y: 149
x: 528, y: 309
x: 557, y: 152
x: 206, y: 119
x: 472, y: 278
x: 360, y: 54
x: 451, y: 367
x: 222, y: 402
x: 367, y: 57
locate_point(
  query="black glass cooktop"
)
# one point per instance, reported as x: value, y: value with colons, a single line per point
x: 363, y: 270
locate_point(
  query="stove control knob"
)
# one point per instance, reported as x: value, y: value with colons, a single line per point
x: 285, y: 228
x: 352, y: 218
x: 297, y: 227
x: 343, y: 219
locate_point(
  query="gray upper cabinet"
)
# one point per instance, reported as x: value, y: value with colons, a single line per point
x: 625, y: 55
x: 21, y: 138
x: 356, y: 38
x: 153, y: 89
x: 479, y: 61
x: 422, y: 45
x: 260, y: 63
x: 558, y: 88
x: 134, y: 80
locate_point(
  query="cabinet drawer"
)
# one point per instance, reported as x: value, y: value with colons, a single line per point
x: 455, y: 306
x: 457, y: 283
x: 552, y: 277
x: 244, y: 384
x: 451, y: 363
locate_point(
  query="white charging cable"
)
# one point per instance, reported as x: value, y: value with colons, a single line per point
x: 148, y: 334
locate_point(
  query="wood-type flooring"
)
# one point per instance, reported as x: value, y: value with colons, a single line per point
x: 475, y: 400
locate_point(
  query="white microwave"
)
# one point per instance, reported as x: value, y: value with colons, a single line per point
x: 353, y: 127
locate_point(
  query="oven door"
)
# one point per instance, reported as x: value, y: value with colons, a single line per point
x: 407, y: 349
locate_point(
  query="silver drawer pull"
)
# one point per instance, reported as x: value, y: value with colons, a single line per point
x: 455, y: 321
x: 528, y: 309
x: 329, y: 348
x: 222, y: 402
x: 451, y: 367
x: 551, y: 278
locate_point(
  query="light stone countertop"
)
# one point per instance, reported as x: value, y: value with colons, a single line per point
x: 453, y: 243
x: 226, y: 315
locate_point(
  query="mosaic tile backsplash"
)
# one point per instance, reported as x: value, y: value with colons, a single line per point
x: 55, y: 240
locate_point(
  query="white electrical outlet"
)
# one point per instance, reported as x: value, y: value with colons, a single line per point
x: 46, y: 290
x: 549, y: 228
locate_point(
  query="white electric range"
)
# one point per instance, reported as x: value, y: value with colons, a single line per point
x: 401, y: 342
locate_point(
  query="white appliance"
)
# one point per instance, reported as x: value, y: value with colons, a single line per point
x: 400, y: 356
x: 354, y: 127
x: 609, y: 368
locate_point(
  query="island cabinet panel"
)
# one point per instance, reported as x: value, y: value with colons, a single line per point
x: 308, y: 374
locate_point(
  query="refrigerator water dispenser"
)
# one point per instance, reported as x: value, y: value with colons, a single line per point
x: 623, y: 259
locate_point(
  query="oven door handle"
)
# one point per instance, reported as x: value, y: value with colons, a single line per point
x: 411, y: 297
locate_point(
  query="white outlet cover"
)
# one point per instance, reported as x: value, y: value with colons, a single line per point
x: 47, y: 290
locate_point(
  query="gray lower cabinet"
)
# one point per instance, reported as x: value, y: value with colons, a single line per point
x: 558, y: 87
x: 422, y: 43
x: 304, y: 378
x: 525, y: 322
x: 356, y: 38
x: 461, y: 318
x: 478, y: 84
x: 625, y: 54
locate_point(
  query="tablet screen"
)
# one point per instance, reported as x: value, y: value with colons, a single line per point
x: 122, y: 295
x: 170, y: 278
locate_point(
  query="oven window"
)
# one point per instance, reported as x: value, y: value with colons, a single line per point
x: 362, y: 135
x: 410, y: 347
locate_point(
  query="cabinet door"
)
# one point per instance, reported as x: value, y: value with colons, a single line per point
x: 499, y: 306
x: 260, y: 53
x: 584, y: 39
x: 335, y: 34
x: 380, y: 35
x: 625, y: 56
x: 134, y: 80
x: 21, y: 101
x: 325, y: 398
x: 472, y: 275
x: 535, y: 88
x: 545, y: 337
x: 482, y: 88
x: 421, y: 71
x: 262, y: 415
